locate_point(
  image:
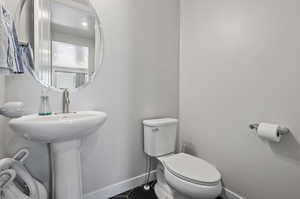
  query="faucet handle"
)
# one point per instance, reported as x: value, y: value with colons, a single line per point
x: 66, y: 96
x: 66, y: 101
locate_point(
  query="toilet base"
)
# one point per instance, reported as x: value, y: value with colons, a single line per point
x: 162, y: 189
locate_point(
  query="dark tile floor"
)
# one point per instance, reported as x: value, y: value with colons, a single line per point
x: 139, y: 193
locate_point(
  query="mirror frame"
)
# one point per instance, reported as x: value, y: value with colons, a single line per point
x: 18, y: 13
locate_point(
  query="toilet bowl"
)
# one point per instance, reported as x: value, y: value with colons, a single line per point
x: 182, y: 176
x: 179, y: 176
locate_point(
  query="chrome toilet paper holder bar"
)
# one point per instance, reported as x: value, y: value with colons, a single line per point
x: 281, y: 130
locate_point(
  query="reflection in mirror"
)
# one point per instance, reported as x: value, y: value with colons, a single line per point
x: 73, y: 43
x: 67, y: 41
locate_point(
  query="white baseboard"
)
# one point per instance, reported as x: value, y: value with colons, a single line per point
x: 120, y: 187
x: 131, y: 183
x: 227, y: 194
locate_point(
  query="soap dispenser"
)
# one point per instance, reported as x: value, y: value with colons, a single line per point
x: 45, y: 108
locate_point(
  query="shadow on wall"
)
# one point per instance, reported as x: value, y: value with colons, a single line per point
x: 287, y: 148
x: 189, y: 148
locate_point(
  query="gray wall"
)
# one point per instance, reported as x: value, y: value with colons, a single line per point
x: 139, y: 79
x: 2, y: 120
x: 240, y: 63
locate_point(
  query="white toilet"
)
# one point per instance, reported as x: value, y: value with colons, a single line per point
x: 179, y: 176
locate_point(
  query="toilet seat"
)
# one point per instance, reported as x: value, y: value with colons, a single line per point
x: 189, y: 176
x: 192, y: 169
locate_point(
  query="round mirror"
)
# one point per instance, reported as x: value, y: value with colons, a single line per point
x: 64, y: 39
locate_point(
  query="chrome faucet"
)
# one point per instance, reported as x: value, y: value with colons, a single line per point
x: 66, y: 101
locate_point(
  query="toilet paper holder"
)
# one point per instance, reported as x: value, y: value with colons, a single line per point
x: 281, y: 130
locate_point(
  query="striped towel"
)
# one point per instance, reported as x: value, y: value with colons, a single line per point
x: 10, y: 52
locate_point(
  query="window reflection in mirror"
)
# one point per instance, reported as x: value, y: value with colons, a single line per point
x: 72, y: 43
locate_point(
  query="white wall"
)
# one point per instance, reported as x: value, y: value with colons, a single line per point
x: 240, y: 64
x: 2, y: 120
x: 139, y: 79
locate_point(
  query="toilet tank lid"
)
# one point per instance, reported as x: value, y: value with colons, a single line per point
x: 160, y: 122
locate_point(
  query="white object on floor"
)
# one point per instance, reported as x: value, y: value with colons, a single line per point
x: 21, y: 155
x: 12, y: 191
x: 179, y: 176
x: 6, y: 178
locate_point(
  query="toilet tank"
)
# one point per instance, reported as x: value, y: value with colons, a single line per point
x: 160, y: 136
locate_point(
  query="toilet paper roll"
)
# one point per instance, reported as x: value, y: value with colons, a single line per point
x: 269, y: 132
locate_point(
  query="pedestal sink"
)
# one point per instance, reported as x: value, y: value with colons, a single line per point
x: 63, y: 132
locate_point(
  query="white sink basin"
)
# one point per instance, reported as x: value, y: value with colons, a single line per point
x: 58, y: 127
x: 64, y: 133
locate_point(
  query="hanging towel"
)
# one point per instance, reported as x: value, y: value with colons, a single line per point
x: 27, y: 56
x: 10, y: 55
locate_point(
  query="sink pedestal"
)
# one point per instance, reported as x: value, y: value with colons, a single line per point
x: 67, y: 170
x: 64, y: 133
